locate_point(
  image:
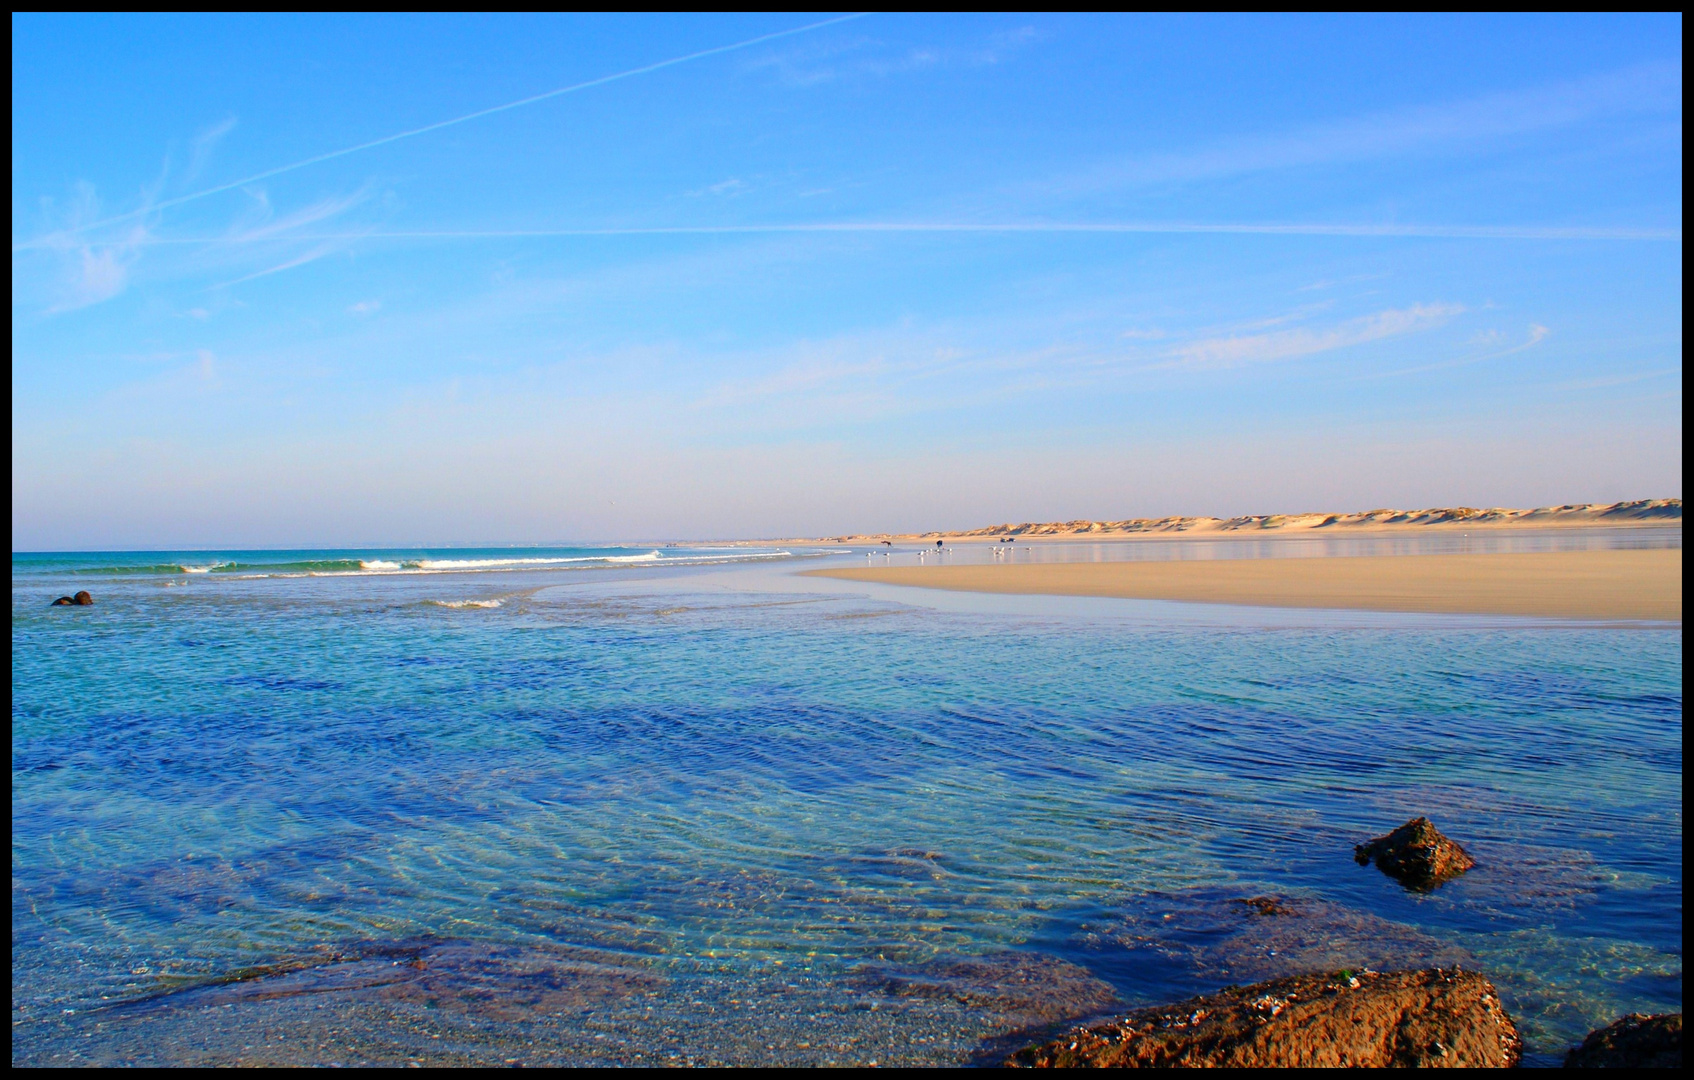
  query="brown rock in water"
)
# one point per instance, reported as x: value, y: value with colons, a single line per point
x: 1416, y: 854
x: 1635, y: 1042
x: 82, y: 599
x: 1438, y: 1017
x: 63, y: 601
x: 1268, y: 905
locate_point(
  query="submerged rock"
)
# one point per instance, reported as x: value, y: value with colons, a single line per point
x: 82, y: 599
x: 1192, y: 940
x: 1416, y: 855
x: 484, y: 980
x: 1635, y: 1042
x: 1024, y: 989
x: 1437, y: 1017
x: 63, y: 601
x: 1268, y: 905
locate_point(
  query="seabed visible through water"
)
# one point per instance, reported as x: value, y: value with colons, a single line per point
x: 687, y: 810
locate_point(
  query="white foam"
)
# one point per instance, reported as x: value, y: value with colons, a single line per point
x: 501, y: 564
x: 651, y: 556
x: 467, y: 603
x: 367, y: 567
x: 202, y: 569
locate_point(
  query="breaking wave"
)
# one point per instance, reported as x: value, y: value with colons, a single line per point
x: 434, y: 563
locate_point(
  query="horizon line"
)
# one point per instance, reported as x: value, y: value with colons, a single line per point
x: 643, y: 542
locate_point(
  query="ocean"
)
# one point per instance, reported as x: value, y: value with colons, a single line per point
x: 650, y: 805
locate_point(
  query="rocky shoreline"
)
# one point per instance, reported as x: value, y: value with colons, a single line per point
x: 1442, y: 1016
x: 1437, y: 1016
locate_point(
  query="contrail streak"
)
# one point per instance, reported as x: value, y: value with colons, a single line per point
x: 1456, y: 232
x: 332, y: 155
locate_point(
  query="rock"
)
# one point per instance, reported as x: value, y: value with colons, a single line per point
x: 82, y: 599
x: 1436, y: 1017
x: 63, y: 601
x: 1635, y: 1042
x: 1267, y: 905
x: 1416, y: 855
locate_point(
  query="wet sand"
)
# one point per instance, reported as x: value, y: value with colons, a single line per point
x: 1569, y: 584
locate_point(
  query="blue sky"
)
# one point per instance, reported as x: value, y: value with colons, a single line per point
x: 891, y: 272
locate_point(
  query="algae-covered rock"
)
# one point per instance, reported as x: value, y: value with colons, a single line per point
x: 1416, y: 855
x: 1441, y: 1017
x: 1635, y: 1042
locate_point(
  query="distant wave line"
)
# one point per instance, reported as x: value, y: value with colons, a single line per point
x: 333, y: 154
x: 1460, y: 232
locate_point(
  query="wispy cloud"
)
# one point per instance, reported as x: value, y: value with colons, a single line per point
x: 1648, y: 88
x: 814, y: 64
x: 861, y: 57
x: 310, y: 256
x: 1238, y: 350
x: 732, y: 186
x: 101, y: 273
x: 262, y: 223
x: 1617, y: 380
x: 201, y: 146
x: 80, y: 273
x: 1534, y: 336
x: 153, y: 206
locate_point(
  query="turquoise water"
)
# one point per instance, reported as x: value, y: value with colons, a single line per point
x: 673, y: 804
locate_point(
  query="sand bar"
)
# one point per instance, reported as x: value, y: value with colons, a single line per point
x: 1638, y: 584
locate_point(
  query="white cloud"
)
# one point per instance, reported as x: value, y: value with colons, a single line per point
x: 364, y: 307
x: 1236, y: 350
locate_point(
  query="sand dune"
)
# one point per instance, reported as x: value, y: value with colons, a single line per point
x: 1638, y: 512
x: 1638, y: 584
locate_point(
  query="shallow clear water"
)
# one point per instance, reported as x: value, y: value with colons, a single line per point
x: 714, y: 812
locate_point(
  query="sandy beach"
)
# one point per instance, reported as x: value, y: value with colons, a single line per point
x: 1641, y: 584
